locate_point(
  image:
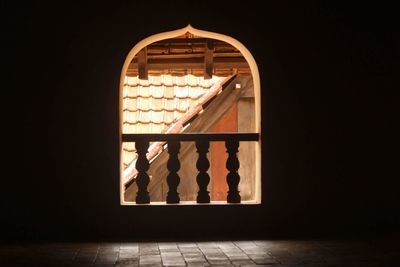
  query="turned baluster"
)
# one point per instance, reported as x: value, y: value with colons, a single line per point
x: 173, y: 165
x: 142, y: 178
x: 202, y: 178
x: 232, y: 164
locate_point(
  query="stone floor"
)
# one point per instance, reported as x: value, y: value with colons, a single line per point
x: 281, y: 253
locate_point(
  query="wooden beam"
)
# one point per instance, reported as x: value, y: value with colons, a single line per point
x: 227, y: 54
x: 192, y: 63
x: 174, y: 56
x: 181, y: 40
x: 142, y: 64
x: 196, y: 72
x: 189, y: 60
x: 187, y: 137
x: 208, y: 60
x: 191, y: 55
x: 196, y: 42
x: 157, y: 48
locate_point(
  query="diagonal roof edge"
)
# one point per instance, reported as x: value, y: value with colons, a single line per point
x: 130, y: 172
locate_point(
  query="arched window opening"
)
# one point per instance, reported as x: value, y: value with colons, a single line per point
x: 203, y: 89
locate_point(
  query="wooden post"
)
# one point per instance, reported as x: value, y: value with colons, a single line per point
x: 209, y: 59
x: 232, y: 164
x: 142, y: 64
x: 173, y: 165
x: 142, y: 179
x: 202, y: 165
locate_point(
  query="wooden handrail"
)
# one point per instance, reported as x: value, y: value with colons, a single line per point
x: 191, y: 137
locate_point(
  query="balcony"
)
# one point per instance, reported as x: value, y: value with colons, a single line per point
x: 202, y: 143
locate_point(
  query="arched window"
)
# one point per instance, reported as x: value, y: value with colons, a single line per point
x: 190, y: 97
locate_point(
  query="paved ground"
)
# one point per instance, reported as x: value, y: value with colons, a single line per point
x: 220, y: 253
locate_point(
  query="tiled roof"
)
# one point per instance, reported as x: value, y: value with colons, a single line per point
x: 153, y: 105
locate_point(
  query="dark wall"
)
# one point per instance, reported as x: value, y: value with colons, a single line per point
x: 328, y: 75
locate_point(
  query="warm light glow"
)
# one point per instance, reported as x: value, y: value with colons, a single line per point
x: 178, y: 108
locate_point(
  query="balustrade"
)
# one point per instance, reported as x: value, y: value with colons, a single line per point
x: 232, y: 141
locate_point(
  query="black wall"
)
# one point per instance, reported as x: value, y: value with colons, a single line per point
x: 330, y: 158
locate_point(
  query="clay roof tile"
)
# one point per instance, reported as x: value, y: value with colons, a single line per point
x: 153, y: 105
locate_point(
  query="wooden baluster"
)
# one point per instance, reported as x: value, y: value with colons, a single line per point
x: 232, y: 164
x: 142, y: 178
x: 173, y: 165
x: 202, y: 165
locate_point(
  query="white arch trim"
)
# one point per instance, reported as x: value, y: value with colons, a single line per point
x: 205, y: 34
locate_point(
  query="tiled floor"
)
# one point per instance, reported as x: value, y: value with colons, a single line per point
x: 219, y: 253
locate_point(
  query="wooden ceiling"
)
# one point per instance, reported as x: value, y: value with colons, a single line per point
x: 188, y: 55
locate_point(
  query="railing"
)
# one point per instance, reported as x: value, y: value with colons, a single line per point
x: 173, y: 165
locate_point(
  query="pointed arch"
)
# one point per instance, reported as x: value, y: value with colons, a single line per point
x: 205, y: 34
